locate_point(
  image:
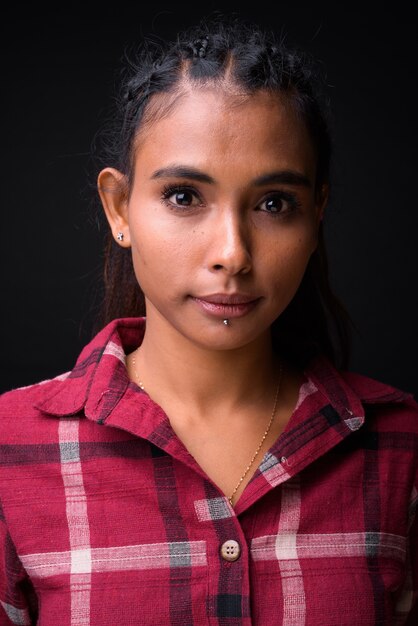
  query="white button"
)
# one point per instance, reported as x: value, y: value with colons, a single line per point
x: 230, y: 550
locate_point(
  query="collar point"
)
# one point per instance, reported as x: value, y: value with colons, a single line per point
x: 354, y: 422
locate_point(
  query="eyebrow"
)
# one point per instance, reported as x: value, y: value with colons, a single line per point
x: 287, y: 177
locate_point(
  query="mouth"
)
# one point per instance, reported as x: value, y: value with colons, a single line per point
x: 227, y: 305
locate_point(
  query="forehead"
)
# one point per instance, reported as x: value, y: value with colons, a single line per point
x: 211, y: 126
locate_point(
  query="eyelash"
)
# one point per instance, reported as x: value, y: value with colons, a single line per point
x: 169, y: 190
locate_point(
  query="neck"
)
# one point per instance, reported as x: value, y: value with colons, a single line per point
x: 170, y: 365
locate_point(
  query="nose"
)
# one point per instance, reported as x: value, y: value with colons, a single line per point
x: 230, y: 251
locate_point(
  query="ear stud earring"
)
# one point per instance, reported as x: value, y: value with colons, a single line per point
x: 119, y: 236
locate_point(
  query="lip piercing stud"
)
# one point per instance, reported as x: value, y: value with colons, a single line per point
x: 119, y: 236
x: 226, y: 322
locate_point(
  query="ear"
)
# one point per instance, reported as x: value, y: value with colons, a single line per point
x: 112, y: 186
x: 321, y: 203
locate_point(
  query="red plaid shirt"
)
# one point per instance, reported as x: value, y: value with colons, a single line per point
x: 106, y: 518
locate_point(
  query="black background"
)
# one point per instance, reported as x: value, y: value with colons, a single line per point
x: 59, y: 67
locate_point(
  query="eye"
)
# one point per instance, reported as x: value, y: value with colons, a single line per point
x: 180, y: 196
x: 279, y: 203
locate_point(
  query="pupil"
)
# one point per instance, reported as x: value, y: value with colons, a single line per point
x: 272, y: 204
x: 183, y: 197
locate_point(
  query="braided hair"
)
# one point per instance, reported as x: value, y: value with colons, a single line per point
x: 228, y: 51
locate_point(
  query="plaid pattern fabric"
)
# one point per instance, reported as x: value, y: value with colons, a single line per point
x: 106, y: 518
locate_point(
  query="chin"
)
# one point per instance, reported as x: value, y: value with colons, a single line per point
x: 231, y: 337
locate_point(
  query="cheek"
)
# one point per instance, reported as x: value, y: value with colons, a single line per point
x: 148, y: 238
x: 160, y: 256
x: 289, y: 252
x: 155, y: 234
x: 287, y: 263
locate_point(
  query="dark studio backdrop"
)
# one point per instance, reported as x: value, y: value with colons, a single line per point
x: 59, y: 67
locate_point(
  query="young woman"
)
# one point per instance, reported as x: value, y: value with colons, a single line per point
x: 210, y: 459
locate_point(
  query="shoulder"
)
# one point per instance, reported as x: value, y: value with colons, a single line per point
x: 18, y: 407
x: 20, y: 399
x: 372, y: 390
x: 99, y: 367
x: 364, y: 398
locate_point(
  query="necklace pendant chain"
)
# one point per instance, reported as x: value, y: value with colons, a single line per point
x: 266, y: 432
x: 138, y: 382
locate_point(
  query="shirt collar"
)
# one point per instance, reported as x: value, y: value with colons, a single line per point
x: 99, y: 380
x: 100, y: 371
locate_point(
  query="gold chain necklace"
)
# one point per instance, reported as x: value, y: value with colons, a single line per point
x: 138, y: 382
x: 263, y: 438
x: 266, y: 432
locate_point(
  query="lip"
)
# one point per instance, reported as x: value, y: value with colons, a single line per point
x: 227, y: 305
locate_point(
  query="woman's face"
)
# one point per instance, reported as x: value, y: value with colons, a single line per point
x: 223, y: 215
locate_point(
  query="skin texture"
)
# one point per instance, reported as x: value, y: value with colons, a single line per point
x: 230, y: 235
